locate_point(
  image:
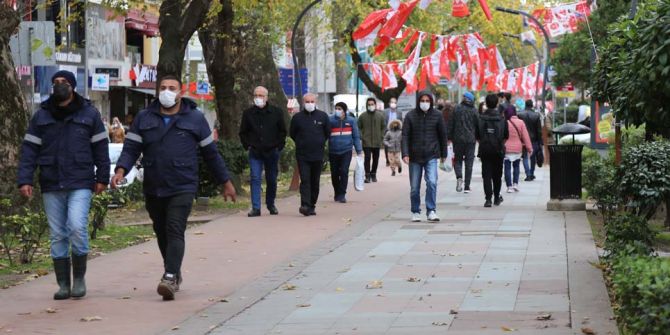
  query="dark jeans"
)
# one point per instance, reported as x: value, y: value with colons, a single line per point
x: 464, y: 152
x: 310, y: 175
x: 339, y: 173
x: 529, y: 163
x: 511, y: 172
x: 270, y: 162
x: 371, y: 153
x: 492, y: 170
x: 169, y: 215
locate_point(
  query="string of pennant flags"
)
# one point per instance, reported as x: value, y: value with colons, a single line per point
x: 477, y: 66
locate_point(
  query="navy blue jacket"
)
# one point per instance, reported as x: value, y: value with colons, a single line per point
x: 67, y: 151
x: 310, y: 131
x: 170, y: 151
x: 344, y: 135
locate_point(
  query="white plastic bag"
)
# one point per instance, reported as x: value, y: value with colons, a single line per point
x: 447, y: 164
x: 359, y: 174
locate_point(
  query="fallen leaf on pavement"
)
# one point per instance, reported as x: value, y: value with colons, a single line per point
x: 42, y: 272
x: 90, y: 318
x: 291, y: 265
x: 223, y: 300
x: 588, y: 331
x: 125, y: 297
x: 440, y: 324
x: 51, y: 310
x: 344, y: 270
x: 303, y: 305
x: 339, y: 289
x: 375, y: 284
x: 198, y: 233
x: 413, y: 279
x: 543, y: 317
x: 453, y: 312
x: 24, y: 313
x: 288, y: 287
x: 507, y: 329
x: 175, y: 327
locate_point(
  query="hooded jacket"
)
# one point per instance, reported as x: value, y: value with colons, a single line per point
x: 462, y: 124
x: 66, y: 149
x: 393, y: 137
x: 170, y: 150
x: 424, y: 134
x: 491, y: 122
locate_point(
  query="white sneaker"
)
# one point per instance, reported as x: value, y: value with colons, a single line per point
x: 515, y: 187
x: 416, y: 217
x: 459, y: 185
x: 510, y: 190
x: 432, y: 216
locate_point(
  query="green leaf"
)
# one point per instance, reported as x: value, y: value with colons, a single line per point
x: 36, y: 44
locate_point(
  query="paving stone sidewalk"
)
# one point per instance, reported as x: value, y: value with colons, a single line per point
x: 513, y: 269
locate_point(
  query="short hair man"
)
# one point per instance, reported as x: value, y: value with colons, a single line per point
x: 310, y: 129
x: 491, y: 133
x: 67, y: 139
x: 263, y: 134
x: 169, y: 134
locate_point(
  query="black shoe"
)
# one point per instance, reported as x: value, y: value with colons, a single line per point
x: 273, y: 210
x: 498, y: 200
x: 62, y: 270
x: 78, y: 273
x: 342, y: 200
x: 312, y: 211
x: 529, y: 178
x: 532, y: 177
x: 373, y: 177
x: 367, y: 178
x: 400, y: 169
x: 393, y: 174
x: 254, y: 212
x: 487, y: 203
x: 304, y: 210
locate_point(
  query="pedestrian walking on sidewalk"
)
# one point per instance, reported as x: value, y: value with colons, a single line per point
x: 372, y: 127
x: 533, y: 123
x: 310, y: 129
x: 491, y: 134
x: 169, y: 134
x: 424, y: 140
x: 343, y: 137
x: 67, y: 140
x: 517, y: 142
x: 390, y: 114
x: 505, y: 99
x: 461, y: 130
x: 393, y: 144
x: 263, y: 134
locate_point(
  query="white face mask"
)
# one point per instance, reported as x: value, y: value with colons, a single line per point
x: 310, y: 107
x: 167, y: 98
x: 393, y: 105
x: 371, y: 108
x: 338, y: 113
x: 425, y: 106
x: 259, y: 102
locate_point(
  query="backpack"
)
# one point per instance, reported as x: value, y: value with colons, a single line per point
x: 490, y: 139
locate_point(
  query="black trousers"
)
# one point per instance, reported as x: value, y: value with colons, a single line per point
x: 492, y: 170
x: 371, y: 154
x: 169, y: 216
x: 339, y: 173
x: 310, y: 175
x: 464, y: 153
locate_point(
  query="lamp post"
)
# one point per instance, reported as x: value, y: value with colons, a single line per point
x: 537, y: 55
x: 546, y: 51
x: 295, y: 58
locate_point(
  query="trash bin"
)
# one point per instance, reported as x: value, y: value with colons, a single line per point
x: 566, y: 164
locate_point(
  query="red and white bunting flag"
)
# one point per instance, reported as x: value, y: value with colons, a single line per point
x: 389, y: 79
x: 373, y: 21
x: 394, y: 22
x: 412, y: 65
x: 460, y: 8
x: 444, y: 58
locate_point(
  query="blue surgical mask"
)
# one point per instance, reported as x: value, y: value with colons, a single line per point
x: 338, y: 113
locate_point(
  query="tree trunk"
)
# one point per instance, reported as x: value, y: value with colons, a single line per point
x: 177, y: 24
x: 13, y: 108
x: 231, y: 51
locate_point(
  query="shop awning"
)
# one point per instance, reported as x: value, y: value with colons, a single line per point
x: 148, y: 91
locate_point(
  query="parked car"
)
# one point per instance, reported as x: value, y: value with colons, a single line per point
x: 136, y: 173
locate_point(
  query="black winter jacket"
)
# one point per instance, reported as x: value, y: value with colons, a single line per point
x: 463, y: 124
x: 533, y: 124
x: 424, y: 134
x: 263, y: 129
x: 310, y: 132
x: 492, y: 116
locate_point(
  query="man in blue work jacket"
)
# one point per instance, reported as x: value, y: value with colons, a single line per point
x: 67, y: 140
x: 169, y: 134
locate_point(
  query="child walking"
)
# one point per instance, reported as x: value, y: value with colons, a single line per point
x: 392, y: 141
